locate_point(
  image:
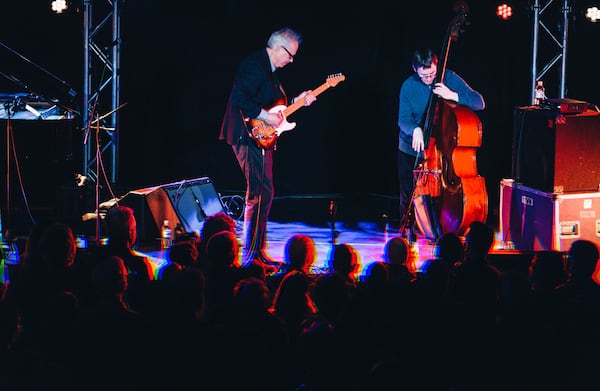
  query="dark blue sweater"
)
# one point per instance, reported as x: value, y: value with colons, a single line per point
x: 414, y: 98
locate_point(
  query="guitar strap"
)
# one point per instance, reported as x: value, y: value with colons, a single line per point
x: 284, y: 96
x: 283, y: 99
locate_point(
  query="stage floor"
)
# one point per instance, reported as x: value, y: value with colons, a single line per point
x: 365, y: 221
x: 368, y: 238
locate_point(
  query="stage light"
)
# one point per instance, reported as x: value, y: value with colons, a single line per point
x: 504, y: 11
x: 592, y: 14
x: 59, y: 6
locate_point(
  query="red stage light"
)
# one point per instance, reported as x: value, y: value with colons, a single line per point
x: 504, y: 11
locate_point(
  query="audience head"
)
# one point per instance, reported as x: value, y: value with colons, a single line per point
x: 223, y: 249
x: 583, y: 257
x: 396, y: 251
x: 217, y: 222
x: 58, y: 246
x: 184, y: 253
x: 300, y: 252
x: 121, y: 226
x: 377, y: 273
x: 169, y: 270
x: 32, y: 258
x: 110, y: 276
x: 344, y: 259
x: 255, y: 268
x: 479, y: 239
x: 433, y: 278
x: 330, y: 295
x: 251, y: 295
x: 449, y: 248
x: 546, y: 271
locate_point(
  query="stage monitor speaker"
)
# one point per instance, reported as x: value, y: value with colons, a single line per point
x: 556, y: 153
x: 187, y: 202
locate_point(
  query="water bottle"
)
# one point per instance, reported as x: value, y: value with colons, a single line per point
x: 165, y: 235
x: 539, y: 93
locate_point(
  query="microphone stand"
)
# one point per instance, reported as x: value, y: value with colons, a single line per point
x: 332, y: 214
x: 97, y: 127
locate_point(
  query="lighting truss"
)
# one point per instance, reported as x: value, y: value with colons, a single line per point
x: 101, y: 92
x: 557, y: 36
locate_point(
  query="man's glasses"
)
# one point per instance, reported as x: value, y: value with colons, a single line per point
x: 427, y: 75
x: 288, y: 52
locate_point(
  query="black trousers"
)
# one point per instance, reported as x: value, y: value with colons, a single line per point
x: 257, y: 165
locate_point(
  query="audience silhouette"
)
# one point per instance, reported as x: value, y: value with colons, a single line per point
x: 112, y: 339
x: 299, y: 256
x: 214, y: 223
x: 476, y: 281
x: 70, y: 321
x: 344, y: 261
x: 222, y: 274
x: 450, y: 250
x: 121, y: 229
x: 43, y: 296
x: 181, y: 254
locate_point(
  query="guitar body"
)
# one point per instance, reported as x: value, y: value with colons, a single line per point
x: 265, y: 135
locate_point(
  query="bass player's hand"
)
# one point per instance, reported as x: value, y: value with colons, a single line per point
x: 417, y: 140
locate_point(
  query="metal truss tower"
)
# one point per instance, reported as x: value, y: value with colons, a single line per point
x: 102, y: 43
x: 557, y: 39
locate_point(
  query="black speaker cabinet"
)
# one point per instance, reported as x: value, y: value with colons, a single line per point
x: 187, y: 203
x: 556, y: 153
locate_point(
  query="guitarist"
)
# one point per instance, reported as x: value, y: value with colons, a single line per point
x: 256, y: 88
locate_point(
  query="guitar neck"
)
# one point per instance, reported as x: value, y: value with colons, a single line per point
x: 300, y: 102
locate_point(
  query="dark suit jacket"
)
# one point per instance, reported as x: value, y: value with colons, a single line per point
x: 255, y: 87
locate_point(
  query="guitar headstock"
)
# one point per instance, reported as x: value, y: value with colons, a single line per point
x: 333, y: 80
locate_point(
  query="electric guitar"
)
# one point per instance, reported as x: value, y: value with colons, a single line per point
x: 265, y: 136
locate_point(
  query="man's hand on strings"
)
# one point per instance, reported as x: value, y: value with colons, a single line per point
x: 417, y: 140
x: 444, y: 92
x: 308, y: 97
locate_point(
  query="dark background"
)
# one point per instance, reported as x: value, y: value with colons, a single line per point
x: 177, y: 65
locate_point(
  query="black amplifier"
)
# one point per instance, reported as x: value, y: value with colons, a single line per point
x: 564, y: 106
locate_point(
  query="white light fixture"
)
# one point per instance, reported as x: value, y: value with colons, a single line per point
x: 59, y: 6
x: 592, y: 14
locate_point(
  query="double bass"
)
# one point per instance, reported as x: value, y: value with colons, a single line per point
x: 449, y: 193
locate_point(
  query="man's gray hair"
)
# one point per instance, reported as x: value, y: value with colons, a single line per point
x: 283, y: 36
